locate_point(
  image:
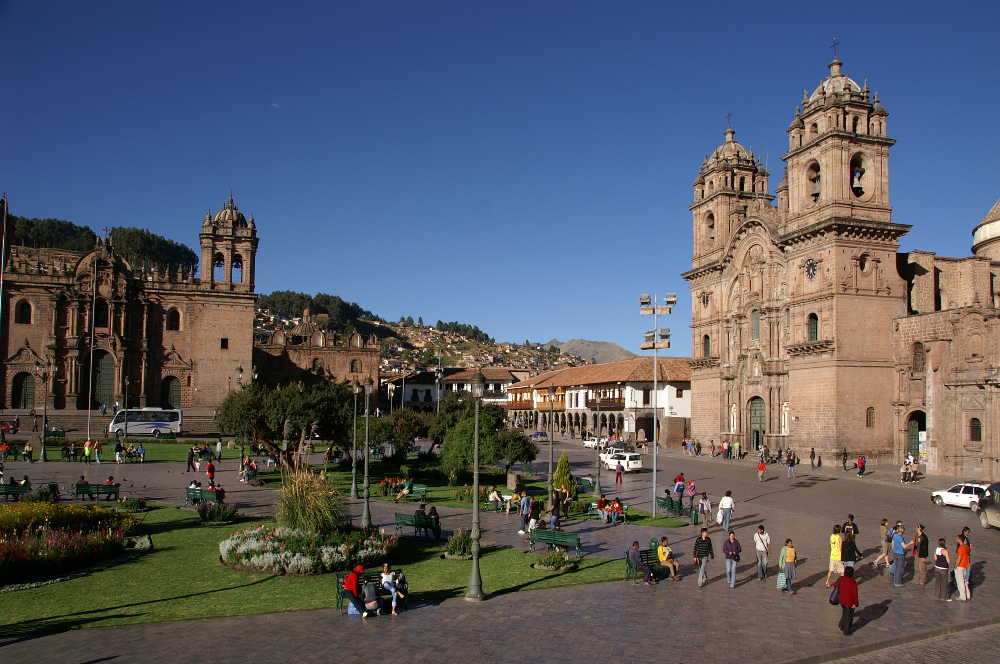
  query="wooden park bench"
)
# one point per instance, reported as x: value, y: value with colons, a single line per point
x: 554, y: 538
x: 414, y: 521
x: 95, y: 491
x: 12, y: 491
x: 194, y: 496
x: 376, y: 578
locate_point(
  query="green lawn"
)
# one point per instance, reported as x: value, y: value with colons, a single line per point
x: 154, y: 451
x: 182, y: 579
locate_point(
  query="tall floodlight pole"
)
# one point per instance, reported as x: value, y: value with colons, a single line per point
x: 356, y: 388
x: 475, y: 593
x: 366, y: 517
x: 656, y: 339
x: 552, y: 398
x: 44, y: 371
x: 597, y: 445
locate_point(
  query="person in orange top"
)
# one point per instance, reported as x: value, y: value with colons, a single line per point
x: 760, y: 470
x: 962, y: 556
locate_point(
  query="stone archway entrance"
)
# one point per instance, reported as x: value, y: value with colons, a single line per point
x: 758, y: 423
x: 914, y: 427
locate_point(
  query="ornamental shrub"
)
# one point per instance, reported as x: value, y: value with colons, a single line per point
x: 460, y: 543
x: 213, y: 512
x: 309, y: 503
x: 562, y: 476
x: 294, y: 551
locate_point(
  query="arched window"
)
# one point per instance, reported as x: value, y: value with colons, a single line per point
x: 788, y: 317
x: 743, y: 181
x: 975, y: 430
x: 22, y: 313
x: 101, y: 314
x: 317, y: 365
x: 755, y: 325
x: 706, y: 346
x: 814, y: 178
x: 237, y: 275
x: 870, y: 417
x: 813, y: 327
x: 173, y: 320
x: 919, y: 358
x: 858, y: 175
x: 218, y: 267
x: 710, y: 227
x: 355, y: 366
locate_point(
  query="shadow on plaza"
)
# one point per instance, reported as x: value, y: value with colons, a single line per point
x: 29, y: 629
x: 870, y: 614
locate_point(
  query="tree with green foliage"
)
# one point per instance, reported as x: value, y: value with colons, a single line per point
x: 456, y: 424
x: 340, y: 312
x: 511, y: 446
x: 51, y: 233
x: 143, y: 249
x: 241, y: 414
x: 563, y: 477
x: 420, y: 321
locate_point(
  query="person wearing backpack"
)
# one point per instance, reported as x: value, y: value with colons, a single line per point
x: 847, y: 597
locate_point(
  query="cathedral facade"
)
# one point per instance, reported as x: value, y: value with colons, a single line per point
x: 811, y: 330
x: 172, y: 340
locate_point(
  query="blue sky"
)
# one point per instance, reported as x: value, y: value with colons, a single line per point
x: 521, y: 166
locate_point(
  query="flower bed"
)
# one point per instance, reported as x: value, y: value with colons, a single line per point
x: 42, y: 539
x: 555, y: 562
x: 216, y: 514
x: 293, y: 551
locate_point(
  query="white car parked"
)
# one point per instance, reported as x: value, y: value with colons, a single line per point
x: 609, y: 452
x: 594, y: 442
x: 966, y: 494
x: 630, y: 461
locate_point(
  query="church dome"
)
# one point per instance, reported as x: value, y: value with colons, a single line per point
x: 230, y: 215
x: 988, y: 233
x: 730, y: 149
x: 835, y: 83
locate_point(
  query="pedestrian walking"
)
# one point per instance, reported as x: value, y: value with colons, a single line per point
x: 862, y: 462
x: 679, y: 486
x: 190, y: 461
x: 836, y: 564
x: 786, y: 563
x: 761, y: 468
x: 850, y: 527
x: 731, y: 549
x: 691, y: 493
x: 619, y: 469
x: 791, y: 465
x: 962, y: 555
x: 104, y: 409
x: 705, y: 506
x: 899, y: 547
x: 942, y: 580
x: 97, y: 449
x: 34, y: 424
x: 848, y: 600
x: 702, y: 554
x: 849, y: 551
x: 218, y: 451
x: 86, y: 452
x: 886, y: 535
x: 843, y: 459
x: 921, y: 548
x: 812, y: 457
x: 968, y: 570
x: 525, y: 505
x: 726, y: 506
x: 762, y: 545
x: 737, y: 451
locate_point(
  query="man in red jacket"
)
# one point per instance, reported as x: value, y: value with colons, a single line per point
x: 351, y: 589
x: 848, y: 599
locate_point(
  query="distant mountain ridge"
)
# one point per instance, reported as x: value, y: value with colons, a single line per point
x: 601, y: 351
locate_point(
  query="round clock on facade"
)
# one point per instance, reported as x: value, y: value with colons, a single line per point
x: 811, y: 268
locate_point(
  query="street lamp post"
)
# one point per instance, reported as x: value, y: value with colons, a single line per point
x: 597, y: 445
x: 125, y: 403
x: 366, y: 517
x: 552, y: 398
x: 44, y: 371
x: 656, y: 339
x: 475, y: 593
x: 356, y: 388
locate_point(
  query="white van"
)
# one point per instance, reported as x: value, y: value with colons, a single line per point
x: 630, y: 461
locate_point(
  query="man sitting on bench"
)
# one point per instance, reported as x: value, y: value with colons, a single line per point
x: 635, y: 559
x: 666, y: 557
x: 407, y: 486
x: 420, y: 520
x: 83, y: 482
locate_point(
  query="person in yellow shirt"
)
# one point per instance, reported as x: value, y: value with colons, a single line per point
x: 666, y: 557
x: 836, y: 564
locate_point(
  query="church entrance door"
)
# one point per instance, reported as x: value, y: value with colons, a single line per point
x: 758, y: 422
x: 916, y: 424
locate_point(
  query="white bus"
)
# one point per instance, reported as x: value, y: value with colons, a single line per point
x: 146, y: 422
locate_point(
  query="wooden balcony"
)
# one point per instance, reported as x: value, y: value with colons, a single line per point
x: 606, y: 404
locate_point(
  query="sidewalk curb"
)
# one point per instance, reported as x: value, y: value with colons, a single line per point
x: 892, y: 643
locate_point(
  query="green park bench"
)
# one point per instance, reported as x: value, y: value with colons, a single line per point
x: 670, y: 506
x: 414, y: 521
x: 57, y: 433
x: 194, y: 496
x: 12, y: 491
x: 586, y: 485
x: 417, y: 492
x: 95, y: 491
x: 554, y: 538
x: 592, y: 512
x: 376, y: 578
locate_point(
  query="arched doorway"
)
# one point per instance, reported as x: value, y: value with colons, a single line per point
x: 758, y: 422
x: 23, y: 392
x: 102, y: 379
x: 915, y: 425
x: 170, y: 393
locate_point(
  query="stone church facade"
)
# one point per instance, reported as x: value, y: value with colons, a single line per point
x: 173, y: 340
x: 810, y: 329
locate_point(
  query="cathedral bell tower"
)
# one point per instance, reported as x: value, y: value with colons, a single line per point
x: 727, y: 182
x: 228, y: 250
x: 838, y: 156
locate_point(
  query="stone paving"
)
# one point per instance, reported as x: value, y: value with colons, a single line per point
x: 610, y: 622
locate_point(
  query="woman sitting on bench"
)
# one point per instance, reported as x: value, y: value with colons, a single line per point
x: 389, y: 583
x: 495, y: 499
x: 407, y: 485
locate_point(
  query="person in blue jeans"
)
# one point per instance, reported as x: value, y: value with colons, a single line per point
x: 525, y: 508
x: 899, y: 546
x: 732, y: 549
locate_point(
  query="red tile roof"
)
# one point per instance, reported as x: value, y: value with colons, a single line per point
x: 632, y: 370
